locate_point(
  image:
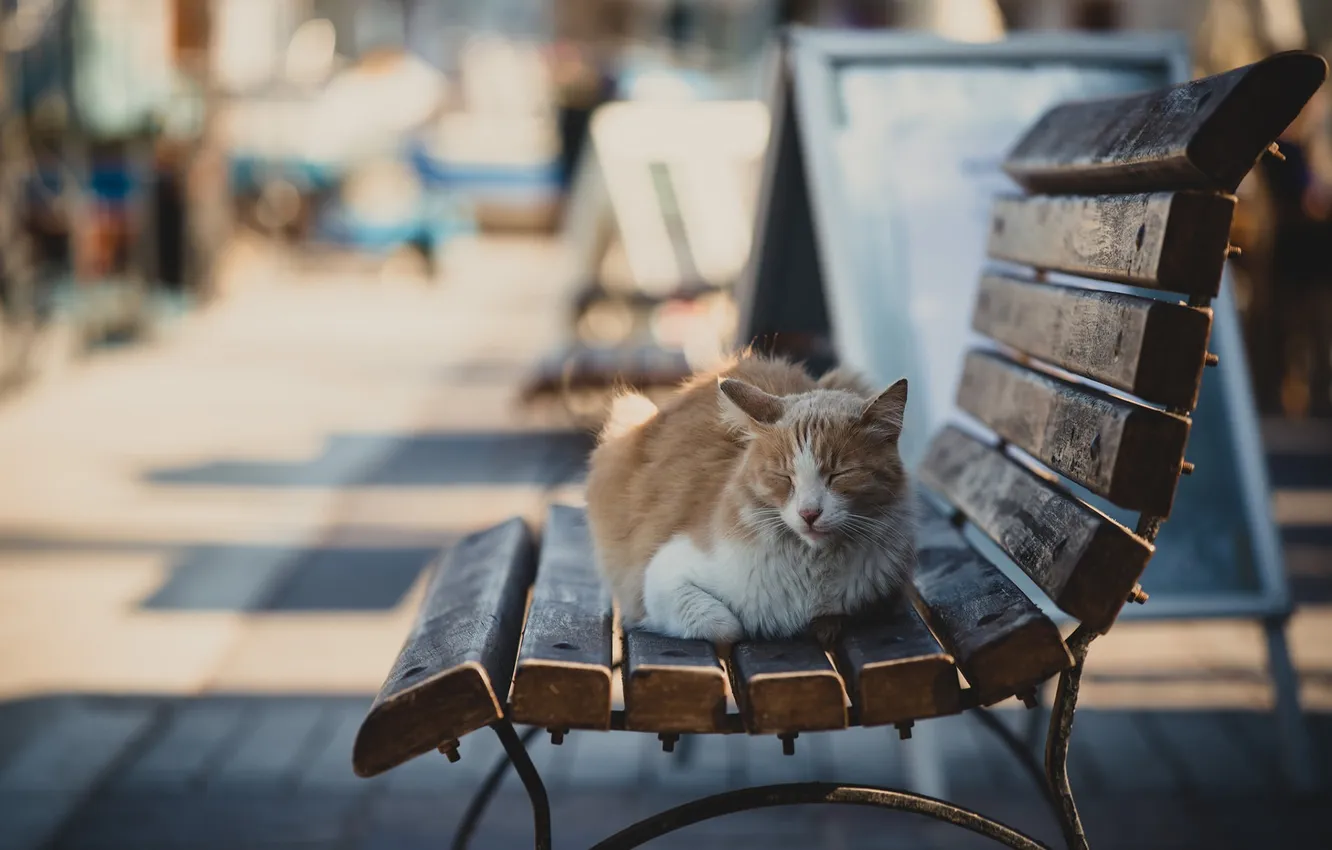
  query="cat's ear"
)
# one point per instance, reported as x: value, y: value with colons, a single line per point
x: 744, y: 404
x: 885, y: 413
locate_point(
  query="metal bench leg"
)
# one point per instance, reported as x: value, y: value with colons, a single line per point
x: 1056, y: 742
x: 1293, y: 735
x: 515, y: 753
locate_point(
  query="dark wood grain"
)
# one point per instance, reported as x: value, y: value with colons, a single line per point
x: 786, y: 686
x: 1000, y: 639
x: 895, y: 668
x: 1173, y: 241
x: 1152, y: 349
x: 1128, y: 453
x: 563, y: 680
x: 452, y: 674
x: 1204, y: 134
x: 672, y: 685
x: 1085, y: 561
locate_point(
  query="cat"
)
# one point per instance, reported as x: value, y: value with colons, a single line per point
x: 755, y: 503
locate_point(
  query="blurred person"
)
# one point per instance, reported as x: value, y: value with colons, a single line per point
x: 1299, y: 188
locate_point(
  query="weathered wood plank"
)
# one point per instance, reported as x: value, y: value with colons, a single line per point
x: 672, y: 685
x: 563, y: 680
x: 452, y: 675
x: 895, y: 668
x: 1128, y: 453
x: 1085, y: 561
x: 1173, y: 241
x: 1002, y: 642
x: 787, y: 686
x: 1152, y: 349
x: 1204, y: 134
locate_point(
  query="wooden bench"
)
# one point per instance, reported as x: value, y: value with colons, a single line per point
x: 1081, y: 386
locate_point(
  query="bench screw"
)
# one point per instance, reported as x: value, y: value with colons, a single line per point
x: 1137, y: 594
x: 1028, y: 698
x: 1186, y: 468
x: 1211, y: 359
x: 557, y: 736
x: 668, y: 741
x: 1274, y: 151
x: 904, y: 729
x: 1234, y: 250
x: 788, y: 743
x: 450, y: 750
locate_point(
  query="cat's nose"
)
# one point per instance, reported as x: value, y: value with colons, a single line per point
x: 810, y: 516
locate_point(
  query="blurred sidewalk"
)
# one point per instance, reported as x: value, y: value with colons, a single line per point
x: 211, y: 547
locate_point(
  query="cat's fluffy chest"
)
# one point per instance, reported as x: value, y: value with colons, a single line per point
x: 772, y: 591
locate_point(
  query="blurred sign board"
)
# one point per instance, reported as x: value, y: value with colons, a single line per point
x: 675, y: 183
x: 870, y: 242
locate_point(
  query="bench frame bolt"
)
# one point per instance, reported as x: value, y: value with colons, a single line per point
x: 1274, y: 151
x: 788, y: 742
x: 557, y: 736
x: 904, y: 729
x: 1186, y: 468
x: 1028, y: 698
x: 1138, y: 595
x: 450, y: 750
x: 1211, y: 359
x: 668, y: 741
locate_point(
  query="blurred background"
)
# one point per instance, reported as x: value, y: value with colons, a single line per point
x: 295, y: 292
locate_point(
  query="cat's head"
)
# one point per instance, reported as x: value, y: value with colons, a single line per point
x: 821, y: 465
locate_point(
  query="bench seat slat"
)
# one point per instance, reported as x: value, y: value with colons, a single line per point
x: 1085, y: 561
x: 1002, y: 642
x: 895, y: 668
x: 672, y: 685
x: 787, y: 686
x: 452, y: 675
x: 563, y: 679
x: 1128, y: 453
x: 1152, y: 349
x: 1204, y: 134
x: 1172, y: 241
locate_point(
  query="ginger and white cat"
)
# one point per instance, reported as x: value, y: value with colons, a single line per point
x: 753, y: 503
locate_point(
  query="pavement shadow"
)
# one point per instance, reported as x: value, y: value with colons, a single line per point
x: 417, y: 460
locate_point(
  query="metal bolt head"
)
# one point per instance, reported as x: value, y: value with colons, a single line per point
x: 450, y: 750
x: 788, y: 743
x: 1211, y: 359
x: 1029, y: 699
x: 668, y: 740
x: 1186, y: 468
x: 1274, y: 151
x: 557, y: 736
x: 1138, y: 595
x: 904, y: 729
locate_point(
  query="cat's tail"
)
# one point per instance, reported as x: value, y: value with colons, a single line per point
x: 627, y: 412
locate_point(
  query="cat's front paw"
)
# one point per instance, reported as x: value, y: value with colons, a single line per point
x: 827, y: 629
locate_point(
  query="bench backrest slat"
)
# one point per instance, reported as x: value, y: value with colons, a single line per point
x: 452, y: 674
x: 1152, y: 349
x: 1128, y: 453
x: 1083, y: 560
x: 1000, y: 639
x: 1204, y: 134
x: 1175, y: 241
